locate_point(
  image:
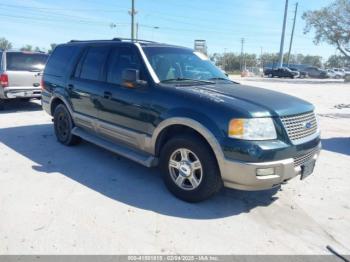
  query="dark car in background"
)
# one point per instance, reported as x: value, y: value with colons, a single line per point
x: 169, y: 106
x: 281, y: 72
x: 302, y: 74
x: 20, y: 75
x: 315, y: 72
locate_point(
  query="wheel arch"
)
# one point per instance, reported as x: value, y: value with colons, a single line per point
x: 160, y: 137
x: 59, y: 99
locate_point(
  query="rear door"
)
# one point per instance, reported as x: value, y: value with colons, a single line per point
x: 24, y: 69
x: 279, y: 72
x: 84, y: 87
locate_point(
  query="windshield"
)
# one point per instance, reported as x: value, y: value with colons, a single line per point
x: 179, y: 64
x: 21, y: 61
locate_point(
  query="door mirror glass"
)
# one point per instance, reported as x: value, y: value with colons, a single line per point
x: 131, y: 78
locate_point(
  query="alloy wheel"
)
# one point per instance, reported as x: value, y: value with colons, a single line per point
x: 185, y: 169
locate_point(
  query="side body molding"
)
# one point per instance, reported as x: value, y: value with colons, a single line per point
x: 142, y: 142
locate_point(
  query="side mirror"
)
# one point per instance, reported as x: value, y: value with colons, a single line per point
x: 131, y: 78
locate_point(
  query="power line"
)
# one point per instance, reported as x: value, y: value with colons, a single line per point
x: 160, y: 15
x: 64, y: 9
x: 193, y: 29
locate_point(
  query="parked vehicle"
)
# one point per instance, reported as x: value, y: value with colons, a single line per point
x: 315, y: 72
x: 302, y: 74
x: 340, y: 72
x: 333, y: 74
x: 168, y: 106
x: 20, y: 75
x: 281, y: 72
x: 347, y: 74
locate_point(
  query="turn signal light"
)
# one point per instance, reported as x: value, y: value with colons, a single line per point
x: 42, y: 84
x: 236, y: 127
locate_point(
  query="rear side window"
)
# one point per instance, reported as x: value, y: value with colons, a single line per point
x: 93, y: 63
x: 60, y: 60
x: 21, y: 61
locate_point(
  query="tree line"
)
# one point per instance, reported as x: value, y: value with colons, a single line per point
x: 6, y: 45
x: 233, y: 61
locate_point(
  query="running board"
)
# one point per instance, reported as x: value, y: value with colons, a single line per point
x: 141, y: 158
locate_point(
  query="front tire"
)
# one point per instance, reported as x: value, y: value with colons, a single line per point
x: 189, y: 168
x: 63, y: 125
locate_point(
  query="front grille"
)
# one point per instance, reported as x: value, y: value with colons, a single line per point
x: 300, y: 126
x: 302, y: 159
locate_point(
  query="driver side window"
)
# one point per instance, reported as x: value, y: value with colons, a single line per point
x: 122, y: 58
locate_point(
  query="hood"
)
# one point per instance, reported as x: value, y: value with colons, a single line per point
x: 258, y: 102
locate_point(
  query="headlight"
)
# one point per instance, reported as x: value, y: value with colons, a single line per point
x: 252, y: 129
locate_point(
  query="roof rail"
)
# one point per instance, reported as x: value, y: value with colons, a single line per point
x: 132, y: 40
x: 118, y: 39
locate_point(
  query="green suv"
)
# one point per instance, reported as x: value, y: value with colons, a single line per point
x: 169, y: 106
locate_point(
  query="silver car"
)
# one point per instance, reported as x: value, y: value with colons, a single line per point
x: 20, y: 75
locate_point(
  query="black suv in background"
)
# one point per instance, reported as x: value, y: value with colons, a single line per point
x: 302, y: 74
x: 281, y: 72
x: 169, y: 106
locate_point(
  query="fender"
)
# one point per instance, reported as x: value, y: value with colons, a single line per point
x: 197, y: 126
x: 64, y: 100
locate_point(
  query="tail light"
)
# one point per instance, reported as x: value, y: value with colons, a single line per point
x: 4, y: 80
x: 42, y: 84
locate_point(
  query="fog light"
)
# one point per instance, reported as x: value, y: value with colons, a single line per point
x: 265, y: 171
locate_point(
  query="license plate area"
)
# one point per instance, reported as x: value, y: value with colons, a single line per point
x: 307, y: 169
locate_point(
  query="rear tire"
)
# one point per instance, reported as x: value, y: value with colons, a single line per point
x: 192, y: 178
x: 63, y: 125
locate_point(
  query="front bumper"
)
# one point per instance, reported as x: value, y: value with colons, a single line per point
x: 20, y: 92
x: 242, y: 175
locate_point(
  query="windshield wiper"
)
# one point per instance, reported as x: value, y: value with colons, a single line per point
x: 222, y: 78
x: 179, y: 79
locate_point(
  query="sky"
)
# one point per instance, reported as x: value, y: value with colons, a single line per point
x: 222, y: 23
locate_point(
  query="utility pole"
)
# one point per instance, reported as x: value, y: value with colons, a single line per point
x: 283, y: 34
x: 292, y: 36
x: 242, y: 54
x: 225, y: 59
x: 137, y: 31
x: 132, y: 13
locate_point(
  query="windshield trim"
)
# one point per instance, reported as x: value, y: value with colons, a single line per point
x: 148, y: 64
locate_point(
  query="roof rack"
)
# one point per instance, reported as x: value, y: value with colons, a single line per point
x: 118, y: 39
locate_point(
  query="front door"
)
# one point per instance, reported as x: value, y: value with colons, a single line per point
x: 125, y: 113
